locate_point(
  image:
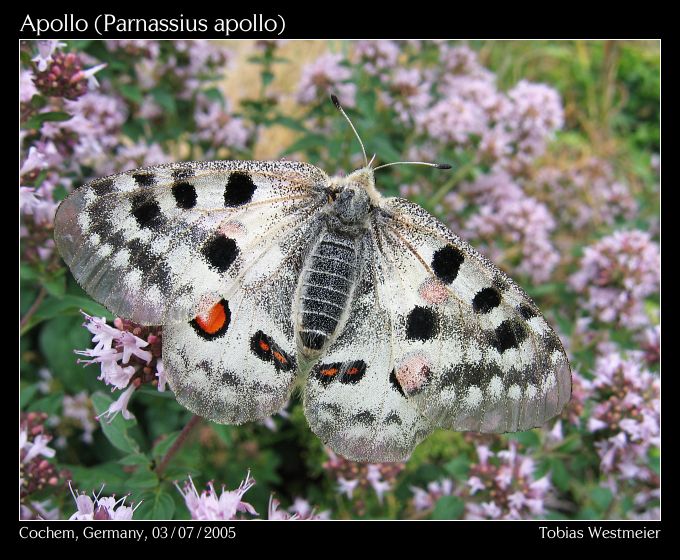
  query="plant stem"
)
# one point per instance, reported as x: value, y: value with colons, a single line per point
x: 174, y: 448
x: 36, y: 305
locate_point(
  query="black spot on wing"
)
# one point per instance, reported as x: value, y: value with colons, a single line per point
x: 185, y: 195
x: 220, y: 251
x: 365, y: 417
x: 353, y: 372
x: 486, y: 299
x: 144, y: 179
x: 421, y: 324
x: 325, y: 373
x: 509, y: 334
x: 141, y: 256
x: 239, y: 190
x: 526, y: 311
x: 393, y: 418
x: 147, y: 211
x: 446, y: 263
x: 103, y: 186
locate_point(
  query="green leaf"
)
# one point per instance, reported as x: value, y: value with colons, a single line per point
x: 91, y: 478
x: 458, y: 467
x: 529, y: 438
x: 161, y: 448
x: 51, y: 404
x: 55, y: 285
x: 136, y: 459
x: 559, y: 474
x: 157, y: 505
x: 27, y: 393
x: 385, y: 150
x: 68, y: 304
x: 117, y: 430
x: 143, y: 479
x: 165, y: 99
x: 601, y: 497
x: 448, y: 507
x: 131, y: 92
x: 58, y: 339
x: 53, y: 116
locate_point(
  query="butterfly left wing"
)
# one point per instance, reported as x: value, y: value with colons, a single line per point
x: 239, y: 363
x: 165, y: 243
x: 472, y: 351
x: 351, y: 398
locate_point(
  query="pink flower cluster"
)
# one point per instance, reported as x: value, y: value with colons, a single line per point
x: 216, y: 125
x: 208, y: 506
x: 616, y: 275
x: 502, y: 486
x: 509, y: 130
x: 511, y: 226
x: 625, y: 419
x: 100, y: 509
x: 586, y: 194
x: 424, y: 500
x: 380, y: 477
x: 124, y: 359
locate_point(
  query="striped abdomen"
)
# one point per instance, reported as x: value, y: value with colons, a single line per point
x: 327, y: 282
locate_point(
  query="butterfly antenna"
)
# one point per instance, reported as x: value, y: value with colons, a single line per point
x: 336, y: 102
x: 437, y: 165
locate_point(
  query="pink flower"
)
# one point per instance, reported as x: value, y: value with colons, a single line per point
x: 326, y: 74
x: 45, y: 51
x: 209, y: 507
x: 100, y: 509
x: 120, y: 405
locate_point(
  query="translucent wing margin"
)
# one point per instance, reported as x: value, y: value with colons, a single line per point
x: 163, y: 244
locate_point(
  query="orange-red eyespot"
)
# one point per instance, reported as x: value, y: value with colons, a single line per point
x: 280, y: 357
x: 352, y: 371
x: 214, y: 322
x: 264, y: 346
x: 329, y: 372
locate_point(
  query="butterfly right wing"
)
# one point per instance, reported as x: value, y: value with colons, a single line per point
x: 472, y: 351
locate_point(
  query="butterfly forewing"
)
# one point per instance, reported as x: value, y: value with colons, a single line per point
x: 164, y: 243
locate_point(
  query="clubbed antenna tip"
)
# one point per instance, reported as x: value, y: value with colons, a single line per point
x: 335, y: 100
x: 442, y: 166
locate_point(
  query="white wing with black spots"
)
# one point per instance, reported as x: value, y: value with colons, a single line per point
x: 165, y: 243
x: 472, y: 351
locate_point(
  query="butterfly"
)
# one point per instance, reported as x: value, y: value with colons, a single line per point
x: 271, y: 275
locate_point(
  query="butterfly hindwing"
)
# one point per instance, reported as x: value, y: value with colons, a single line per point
x: 472, y: 351
x: 351, y: 399
x: 165, y: 243
x: 238, y: 362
